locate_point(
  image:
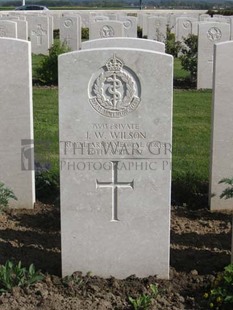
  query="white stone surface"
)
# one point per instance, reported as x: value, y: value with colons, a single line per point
x: 70, y: 31
x: 16, y: 121
x: 222, y: 125
x: 106, y: 29
x: 121, y: 99
x: 184, y: 27
x: 145, y: 17
x: 98, y: 18
x: 208, y: 35
x: 22, y: 26
x: 8, y: 29
x: 125, y: 42
x: 130, y: 25
x: 157, y: 28
x: 38, y: 30
x: 50, y: 30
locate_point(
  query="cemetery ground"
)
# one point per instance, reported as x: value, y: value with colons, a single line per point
x: 200, y: 240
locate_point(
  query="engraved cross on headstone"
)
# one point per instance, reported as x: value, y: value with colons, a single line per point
x: 39, y: 33
x: 114, y: 185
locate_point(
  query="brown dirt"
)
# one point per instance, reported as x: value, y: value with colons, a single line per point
x: 200, y: 247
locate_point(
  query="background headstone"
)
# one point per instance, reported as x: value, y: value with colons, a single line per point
x: 125, y: 42
x: 38, y: 30
x: 70, y: 31
x: 208, y: 35
x: 222, y: 125
x: 157, y: 28
x: 183, y: 27
x: 106, y: 29
x: 8, y: 29
x: 16, y: 125
x: 130, y: 25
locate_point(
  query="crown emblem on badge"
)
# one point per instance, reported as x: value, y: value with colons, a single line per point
x: 114, y: 64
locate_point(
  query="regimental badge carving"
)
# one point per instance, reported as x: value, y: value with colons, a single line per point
x: 214, y: 34
x: 187, y: 24
x: 68, y: 23
x: 116, y: 90
x: 127, y: 24
x: 106, y: 32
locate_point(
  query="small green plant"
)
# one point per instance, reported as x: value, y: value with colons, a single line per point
x: 76, y: 279
x: 5, y: 195
x: 144, y: 301
x: 228, y: 192
x: 12, y: 275
x: 85, y: 34
x: 189, y: 56
x: 220, y: 296
x: 47, y: 72
x: 139, y: 32
x: 72, y: 280
x: 47, y: 180
x: 172, y: 46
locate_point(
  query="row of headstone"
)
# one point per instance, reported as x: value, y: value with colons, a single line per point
x: 37, y: 29
x: 115, y: 108
x: 116, y: 152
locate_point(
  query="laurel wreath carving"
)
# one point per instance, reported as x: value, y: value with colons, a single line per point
x: 98, y: 90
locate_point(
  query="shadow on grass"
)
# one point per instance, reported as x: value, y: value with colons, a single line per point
x: 184, y: 83
x: 190, y: 191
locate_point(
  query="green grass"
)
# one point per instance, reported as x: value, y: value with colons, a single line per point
x: 179, y: 72
x: 46, y: 126
x: 191, y: 147
x: 36, y: 61
x: 191, y: 133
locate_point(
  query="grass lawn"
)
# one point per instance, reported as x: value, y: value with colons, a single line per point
x: 191, y: 133
x: 46, y: 126
x: 179, y: 72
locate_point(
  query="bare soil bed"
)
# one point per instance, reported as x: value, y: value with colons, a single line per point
x: 200, y: 247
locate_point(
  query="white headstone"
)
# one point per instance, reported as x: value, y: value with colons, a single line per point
x: 125, y: 42
x: 106, y: 29
x: 130, y: 26
x: 16, y: 121
x: 183, y: 27
x: 22, y: 27
x: 115, y: 110
x: 39, y: 34
x: 208, y: 35
x: 8, y: 29
x: 70, y: 31
x: 222, y: 125
x: 157, y: 28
